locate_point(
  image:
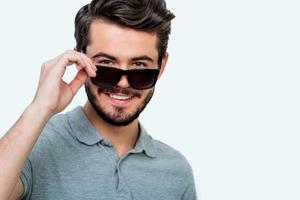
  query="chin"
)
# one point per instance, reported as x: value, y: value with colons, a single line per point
x: 118, y: 109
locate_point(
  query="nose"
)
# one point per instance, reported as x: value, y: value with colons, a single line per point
x: 123, y: 83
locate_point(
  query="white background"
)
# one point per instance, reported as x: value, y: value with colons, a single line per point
x: 229, y: 99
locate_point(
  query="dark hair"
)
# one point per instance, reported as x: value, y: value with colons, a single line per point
x: 145, y: 15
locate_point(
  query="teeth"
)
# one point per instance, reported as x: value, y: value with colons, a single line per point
x: 117, y: 97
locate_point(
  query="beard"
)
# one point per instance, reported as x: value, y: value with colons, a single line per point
x: 119, y: 116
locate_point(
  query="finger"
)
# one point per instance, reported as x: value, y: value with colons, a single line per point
x: 77, y: 67
x: 69, y: 59
x: 78, y: 81
x: 88, y: 61
x: 48, y: 64
x: 53, y: 60
x: 89, y: 67
x: 88, y: 64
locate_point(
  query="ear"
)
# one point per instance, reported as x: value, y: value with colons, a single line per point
x: 163, y: 64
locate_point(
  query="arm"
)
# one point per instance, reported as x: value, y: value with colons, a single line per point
x: 16, y: 145
x: 18, y: 191
x: 52, y: 96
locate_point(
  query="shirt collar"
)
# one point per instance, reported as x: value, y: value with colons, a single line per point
x: 82, y: 128
x: 86, y: 133
x: 145, y: 143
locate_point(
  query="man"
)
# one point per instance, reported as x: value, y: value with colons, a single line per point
x: 100, y: 150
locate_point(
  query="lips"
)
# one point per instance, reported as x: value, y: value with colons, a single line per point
x: 119, y: 99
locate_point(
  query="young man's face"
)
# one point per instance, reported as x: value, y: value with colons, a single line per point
x: 124, y: 48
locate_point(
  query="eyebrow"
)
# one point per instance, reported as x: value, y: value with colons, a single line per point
x: 101, y: 54
x: 143, y: 57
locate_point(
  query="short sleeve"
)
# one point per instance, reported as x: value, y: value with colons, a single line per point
x: 190, y: 188
x: 190, y: 192
x: 26, y: 178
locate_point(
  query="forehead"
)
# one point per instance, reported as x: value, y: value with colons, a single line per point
x: 119, y: 41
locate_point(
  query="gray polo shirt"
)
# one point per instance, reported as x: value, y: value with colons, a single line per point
x: 71, y: 160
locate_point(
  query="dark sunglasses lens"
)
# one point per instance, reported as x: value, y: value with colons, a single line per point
x: 142, y: 79
x: 106, y: 76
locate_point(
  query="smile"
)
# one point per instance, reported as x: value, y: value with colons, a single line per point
x: 119, y: 97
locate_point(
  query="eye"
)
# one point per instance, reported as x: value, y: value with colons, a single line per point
x: 105, y: 62
x: 139, y: 64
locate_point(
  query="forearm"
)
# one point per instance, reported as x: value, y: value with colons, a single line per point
x: 16, y: 145
x: 52, y: 96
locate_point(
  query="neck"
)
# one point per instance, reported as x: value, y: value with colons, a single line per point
x: 123, y: 138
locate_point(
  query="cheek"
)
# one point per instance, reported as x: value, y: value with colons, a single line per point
x: 146, y: 94
x: 97, y: 93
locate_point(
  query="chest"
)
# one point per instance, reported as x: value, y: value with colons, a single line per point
x: 85, y: 176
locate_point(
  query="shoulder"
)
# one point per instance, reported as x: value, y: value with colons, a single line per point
x: 174, y: 166
x: 166, y: 150
x: 57, y: 127
x: 173, y: 157
x: 55, y: 136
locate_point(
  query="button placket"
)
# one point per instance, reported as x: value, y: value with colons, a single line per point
x: 121, y: 182
x: 112, y: 155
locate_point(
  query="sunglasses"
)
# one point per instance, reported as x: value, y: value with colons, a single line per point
x: 139, y: 79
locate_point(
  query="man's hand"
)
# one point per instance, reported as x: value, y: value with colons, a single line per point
x: 53, y: 93
x: 52, y: 96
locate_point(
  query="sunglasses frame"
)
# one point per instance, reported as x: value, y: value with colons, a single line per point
x: 128, y: 74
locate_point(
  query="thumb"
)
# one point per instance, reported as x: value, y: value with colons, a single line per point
x: 78, y: 81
